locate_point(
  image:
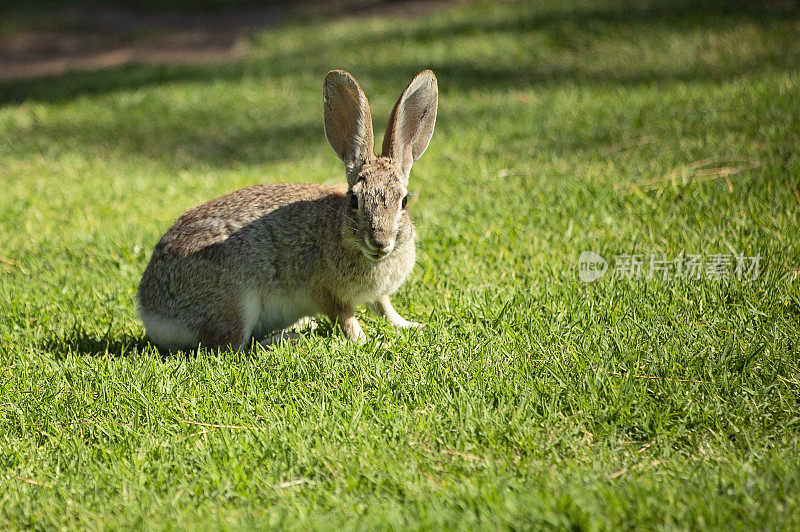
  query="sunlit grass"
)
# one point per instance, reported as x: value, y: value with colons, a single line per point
x: 531, y: 399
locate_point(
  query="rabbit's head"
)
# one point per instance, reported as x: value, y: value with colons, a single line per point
x: 377, y: 220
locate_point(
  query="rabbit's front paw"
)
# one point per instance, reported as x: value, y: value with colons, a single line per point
x: 403, y: 323
x: 352, y: 330
x: 383, y: 307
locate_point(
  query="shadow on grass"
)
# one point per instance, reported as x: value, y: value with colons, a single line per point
x: 223, y: 133
x: 80, y: 342
x: 567, y: 30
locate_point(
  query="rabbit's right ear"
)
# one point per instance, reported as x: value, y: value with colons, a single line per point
x: 348, y: 123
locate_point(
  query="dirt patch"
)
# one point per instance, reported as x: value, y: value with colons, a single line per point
x: 97, y: 36
x: 101, y: 36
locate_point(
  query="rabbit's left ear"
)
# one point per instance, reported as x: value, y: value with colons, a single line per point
x: 411, y: 123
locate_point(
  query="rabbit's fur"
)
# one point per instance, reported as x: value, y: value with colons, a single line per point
x: 256, y: 260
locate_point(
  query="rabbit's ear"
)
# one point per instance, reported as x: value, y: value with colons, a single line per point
x: 411, y: 122
x: 348, y: 123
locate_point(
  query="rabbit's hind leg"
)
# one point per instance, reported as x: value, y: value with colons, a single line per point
x: 292, y: 333
x: 227, y: 326
x: 280, y: 338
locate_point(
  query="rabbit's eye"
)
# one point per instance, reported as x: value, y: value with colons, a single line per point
x: 404, y: 202
x: 354, y: 202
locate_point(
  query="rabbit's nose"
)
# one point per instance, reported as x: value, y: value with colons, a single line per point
x: 382, y: 245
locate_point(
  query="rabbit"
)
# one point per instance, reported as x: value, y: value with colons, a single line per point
x: 259, y: 259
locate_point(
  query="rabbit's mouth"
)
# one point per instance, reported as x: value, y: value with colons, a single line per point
x: 374, y: 252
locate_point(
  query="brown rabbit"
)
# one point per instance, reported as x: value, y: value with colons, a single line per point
x: 257, y: 260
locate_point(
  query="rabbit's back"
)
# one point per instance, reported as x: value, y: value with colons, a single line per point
x: 275, y: 208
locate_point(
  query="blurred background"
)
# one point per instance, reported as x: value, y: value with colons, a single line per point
x: 46, y: 37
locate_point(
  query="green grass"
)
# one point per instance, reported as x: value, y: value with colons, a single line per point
x: 531, y: 399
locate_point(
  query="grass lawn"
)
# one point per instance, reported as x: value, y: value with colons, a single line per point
x: 532, y: 399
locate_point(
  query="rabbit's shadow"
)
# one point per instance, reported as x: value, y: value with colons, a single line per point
x: 85, y: 343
